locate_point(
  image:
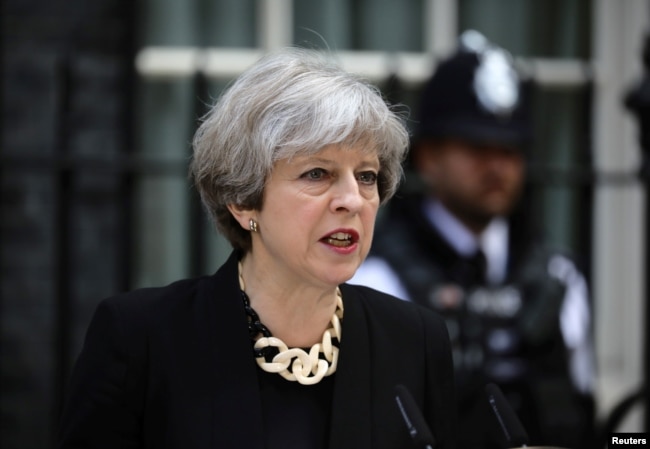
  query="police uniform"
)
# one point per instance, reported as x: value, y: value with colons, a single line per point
x: 516, y: 310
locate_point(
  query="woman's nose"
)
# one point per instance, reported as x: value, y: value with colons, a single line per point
x: 347, y: 195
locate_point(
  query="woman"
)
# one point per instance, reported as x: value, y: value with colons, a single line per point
x: 274, y: 350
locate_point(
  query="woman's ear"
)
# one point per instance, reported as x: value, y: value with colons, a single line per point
x: 242, y: 215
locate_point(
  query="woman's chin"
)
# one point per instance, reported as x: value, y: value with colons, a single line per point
x: 345, y: 276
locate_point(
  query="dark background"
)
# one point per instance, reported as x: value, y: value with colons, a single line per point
x: 67, y: 84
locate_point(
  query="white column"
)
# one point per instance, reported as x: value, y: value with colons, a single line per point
x: 440, y: 26
x: 619, y: 230
x: 275, y: 23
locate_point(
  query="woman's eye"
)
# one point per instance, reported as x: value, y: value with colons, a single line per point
x: 367, y: 177
x: 314, y: 174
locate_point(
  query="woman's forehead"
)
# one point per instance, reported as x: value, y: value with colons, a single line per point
x: 334, y: 152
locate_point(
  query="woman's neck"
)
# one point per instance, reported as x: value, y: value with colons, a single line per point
x: 296, y: 314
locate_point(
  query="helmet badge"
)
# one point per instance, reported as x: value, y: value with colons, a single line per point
x: 496, y: 82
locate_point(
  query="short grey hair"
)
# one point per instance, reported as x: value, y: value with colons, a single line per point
x: 293, y: 101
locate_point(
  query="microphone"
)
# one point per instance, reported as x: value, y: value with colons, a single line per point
x: 511, y: 427
x: 415, y: 422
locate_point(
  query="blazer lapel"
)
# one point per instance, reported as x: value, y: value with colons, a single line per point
x: 351, y: 411
x: 237, y: 402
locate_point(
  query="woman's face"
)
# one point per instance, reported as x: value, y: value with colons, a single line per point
x: 318, y: 215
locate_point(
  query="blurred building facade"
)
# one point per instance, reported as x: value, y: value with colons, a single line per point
x: 101, y: 100
x: 66, y: 124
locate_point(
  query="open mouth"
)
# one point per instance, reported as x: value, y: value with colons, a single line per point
x: 339, y: 239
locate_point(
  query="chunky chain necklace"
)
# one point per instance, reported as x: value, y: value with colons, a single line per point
x: 295, y: 364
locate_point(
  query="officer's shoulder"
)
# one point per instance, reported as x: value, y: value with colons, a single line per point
x: 551, y: 254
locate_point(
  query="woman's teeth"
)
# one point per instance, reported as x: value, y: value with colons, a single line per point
x: 339, y: 239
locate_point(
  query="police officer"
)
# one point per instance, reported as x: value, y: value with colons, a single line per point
x: 517, y: 310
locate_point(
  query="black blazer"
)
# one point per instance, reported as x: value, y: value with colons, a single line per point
x: 173, y: 367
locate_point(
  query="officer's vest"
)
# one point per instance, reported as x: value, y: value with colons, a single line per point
x: 507, y: 334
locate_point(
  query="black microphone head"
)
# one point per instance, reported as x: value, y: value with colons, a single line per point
x: 415, y: 422
x: 509, y: 423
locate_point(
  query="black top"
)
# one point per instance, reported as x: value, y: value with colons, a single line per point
x: 296, y: 416
x: 172, y: 368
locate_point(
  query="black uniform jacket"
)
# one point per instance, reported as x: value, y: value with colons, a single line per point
x: 173, y: 367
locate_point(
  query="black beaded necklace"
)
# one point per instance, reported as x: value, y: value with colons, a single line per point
x: 255, y: 328
x: 306, y: 366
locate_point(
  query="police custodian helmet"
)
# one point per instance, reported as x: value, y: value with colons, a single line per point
x: 477, y: 95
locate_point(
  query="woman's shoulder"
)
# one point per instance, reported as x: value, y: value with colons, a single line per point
x: 131, y: 318
x: 402, y: 323
x: 161, y: 304
x: 368, y: 293
x: 380, y: 303
x: 146, y: 297
x: 200, y: 288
